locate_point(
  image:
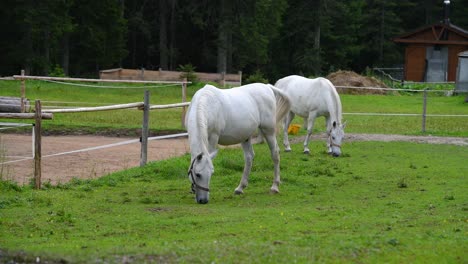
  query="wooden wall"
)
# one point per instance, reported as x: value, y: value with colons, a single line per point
x: 147, y: 75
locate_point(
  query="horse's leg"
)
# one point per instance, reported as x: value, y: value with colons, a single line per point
x: 310, y: 128
x: 274, y: 150
x: 329, y: 127
x: 286, y: 122
x: 248, y: 158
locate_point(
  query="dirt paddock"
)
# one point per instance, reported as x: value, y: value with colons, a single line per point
x: 97, y: 163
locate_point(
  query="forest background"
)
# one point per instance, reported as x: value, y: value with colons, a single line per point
x: 271, y: 38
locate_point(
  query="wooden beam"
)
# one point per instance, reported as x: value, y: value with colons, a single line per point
x: 425, y: 41
x: 62, y: 79
x: 145, y: 131
x: 25, y: 115
x: 169, y: 105
x: 37, y: 146
x: 95, y: 109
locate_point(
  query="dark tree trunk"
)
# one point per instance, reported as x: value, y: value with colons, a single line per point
x: 46, y: 47
x: 317, y: 65
x: 66, y: 54
x: 163, y: 50
x: 172, y: 44
x: 224, y: 36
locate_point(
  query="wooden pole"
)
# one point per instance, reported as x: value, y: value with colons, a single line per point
x: 223, y: 79
x: 23, y: 92
x: 184, y: 99
x: 25, y: 115
x: 145, y: 131
x: 37, y: 146
x: 424, y: 111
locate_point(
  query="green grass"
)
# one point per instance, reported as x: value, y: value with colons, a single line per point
x: 170, y: 119
x: 59, y: 95
x: 378, y: 203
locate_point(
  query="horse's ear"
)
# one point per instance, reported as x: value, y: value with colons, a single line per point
x: 213, y: 154
x: 200, y: 156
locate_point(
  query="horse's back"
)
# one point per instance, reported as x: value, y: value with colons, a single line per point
x: 236, y: 113
x: 307, y: 95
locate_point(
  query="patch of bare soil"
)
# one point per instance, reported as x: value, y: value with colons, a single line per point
x: 352, y: 79
x: 88, y: 164
x: 387, y: 138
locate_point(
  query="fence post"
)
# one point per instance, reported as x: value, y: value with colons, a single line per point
x: 424, y: 111
x: 37, y: 145
x: 240, y: 78
x: 184, y: 99
x: 23, y: 93
x: 223, y: 79
x: 145, y: 131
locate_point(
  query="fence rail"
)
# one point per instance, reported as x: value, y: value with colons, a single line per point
x: 47, y: 114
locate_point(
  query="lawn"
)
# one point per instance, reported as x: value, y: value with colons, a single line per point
x: 377, y: 203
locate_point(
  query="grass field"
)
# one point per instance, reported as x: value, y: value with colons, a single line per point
x: 53, y: 94
x: 378, y: 203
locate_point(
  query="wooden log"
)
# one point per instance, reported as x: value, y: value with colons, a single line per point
x: 94, y: 109
x: 25, y: 115
x: 37, y: 146
x: 169, y: 106
x: 14, y: 105
x: 184, y: 99
x: 65, y: 79
x: 145, y: 131
x: 23, y: 94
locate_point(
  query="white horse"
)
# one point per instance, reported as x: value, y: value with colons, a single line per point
x: 311, y: 98
x: 232, y: 116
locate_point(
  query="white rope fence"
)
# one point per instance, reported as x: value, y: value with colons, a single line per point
x: 392, y: 89
x: 402, y: 114
x: 110, y: 87
x: 7, y: 125
x: 131, y: 141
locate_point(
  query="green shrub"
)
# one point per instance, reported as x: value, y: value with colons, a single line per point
x: 188, y: 72
x: 256, y: 77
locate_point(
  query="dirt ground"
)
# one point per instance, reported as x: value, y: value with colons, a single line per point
x: 352, y: 79
x: 88, y: 164
x: 97, y: 163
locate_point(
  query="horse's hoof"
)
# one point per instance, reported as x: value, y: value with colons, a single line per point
x: 274, y: 190
x: 307, y: 152
x: 238, y: 192
x: 287, y: 150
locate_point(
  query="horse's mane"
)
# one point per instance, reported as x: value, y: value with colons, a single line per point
x: 203, y: 106
x: 336, y: 100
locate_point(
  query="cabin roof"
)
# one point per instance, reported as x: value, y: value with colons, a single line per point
x: 438, y: 33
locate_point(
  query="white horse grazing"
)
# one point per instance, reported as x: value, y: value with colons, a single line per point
x: 232, y: 116
x: 311, y: 98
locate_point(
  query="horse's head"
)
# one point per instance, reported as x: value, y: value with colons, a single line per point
x: 335, y: 136
x: 199, y: 174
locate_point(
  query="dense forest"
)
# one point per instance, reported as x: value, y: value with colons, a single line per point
x: 272, y: 38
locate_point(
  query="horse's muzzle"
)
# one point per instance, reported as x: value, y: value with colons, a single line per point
x: 202, y: 201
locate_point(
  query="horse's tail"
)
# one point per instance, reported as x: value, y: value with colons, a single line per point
x: 283, y: 104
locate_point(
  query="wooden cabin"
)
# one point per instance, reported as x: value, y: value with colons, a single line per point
x: 431, y: 52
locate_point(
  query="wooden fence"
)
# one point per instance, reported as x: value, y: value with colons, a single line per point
x: 160, y: 75
x: 23, y: 100
x: 48, y: 114
x: 41, y: 114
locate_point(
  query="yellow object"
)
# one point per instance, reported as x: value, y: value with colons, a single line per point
x: 293, y: 129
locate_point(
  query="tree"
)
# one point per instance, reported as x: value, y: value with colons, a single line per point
x: 99, y: 39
